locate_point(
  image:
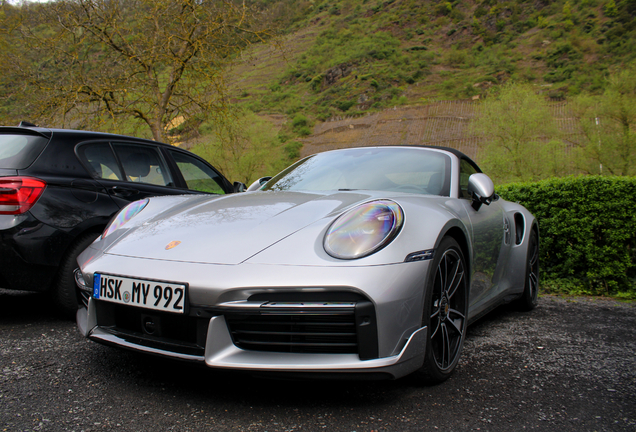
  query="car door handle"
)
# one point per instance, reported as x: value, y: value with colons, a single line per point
x: 122, y: 192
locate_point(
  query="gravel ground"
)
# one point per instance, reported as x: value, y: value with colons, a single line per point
x: 569, y: 365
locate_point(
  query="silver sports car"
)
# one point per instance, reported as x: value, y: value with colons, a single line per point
x: 366, y: 260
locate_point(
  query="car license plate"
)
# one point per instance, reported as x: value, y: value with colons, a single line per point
x: 157, y: 295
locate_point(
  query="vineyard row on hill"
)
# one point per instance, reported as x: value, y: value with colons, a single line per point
x: 442, y: 123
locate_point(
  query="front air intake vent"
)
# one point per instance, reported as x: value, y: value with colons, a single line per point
x: 327, y: 333
x: 520, y: 228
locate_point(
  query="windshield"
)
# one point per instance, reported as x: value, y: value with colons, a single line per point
x: 19, y: 151
x: 399, y: 169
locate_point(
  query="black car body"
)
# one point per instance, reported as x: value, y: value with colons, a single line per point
x: 59, y: 189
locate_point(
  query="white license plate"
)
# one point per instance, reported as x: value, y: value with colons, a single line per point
x: 157, y: 295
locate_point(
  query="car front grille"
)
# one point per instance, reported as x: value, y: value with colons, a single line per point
x: 340, y: 325
x: 297, y: 333
x: 170, y: 332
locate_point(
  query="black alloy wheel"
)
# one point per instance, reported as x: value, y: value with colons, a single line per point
x: 445, y: 312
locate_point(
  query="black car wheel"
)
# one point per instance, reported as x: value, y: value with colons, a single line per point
x: 445, y: 312
x: 64, y: 292
x: 530, y: 296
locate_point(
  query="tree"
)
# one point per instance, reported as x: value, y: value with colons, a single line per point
x: 245, y: 147
x: 146, y: 60
x: 10, y: 88
x: 520, y: 136
x: 608, y: 122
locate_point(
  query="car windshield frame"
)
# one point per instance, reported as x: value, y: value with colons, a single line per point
x: 389, y: 169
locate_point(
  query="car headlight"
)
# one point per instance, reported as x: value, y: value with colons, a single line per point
x: 125, y: 215
x: 364, y: 229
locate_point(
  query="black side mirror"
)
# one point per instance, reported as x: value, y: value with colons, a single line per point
x: 239, y: 187
x: 481, y: 188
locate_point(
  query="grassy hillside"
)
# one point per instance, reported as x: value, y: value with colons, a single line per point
x: 355, y: 72
x: 351, y: 57
x: 355, y: 59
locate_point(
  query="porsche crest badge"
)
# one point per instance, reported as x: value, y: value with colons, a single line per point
x: 172, y: 244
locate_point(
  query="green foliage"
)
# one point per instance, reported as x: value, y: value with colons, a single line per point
x: 301, y: 125
x: 303, y: 131
x: 456, y: 57
x: 299, y: 122
x: 564, y: 60
x: 292, y: 150
x: 588, y: 232
x: 345, y: 105
x: 480, y: 11
x: 381, y: 52
x: 608, y: 123
x: 610, y: 9
x: 316, y: 82
x: 151, y: 61
x: 443, y: 8
x: 244, y: 147
x: 567, y: 11
x: 521, y: 137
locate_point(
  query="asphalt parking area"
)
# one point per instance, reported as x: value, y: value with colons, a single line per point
x: 568, y: 365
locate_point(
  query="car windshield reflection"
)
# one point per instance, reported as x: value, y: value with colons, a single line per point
x: 396, y: 169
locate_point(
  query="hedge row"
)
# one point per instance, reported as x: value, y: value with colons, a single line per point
x: 587, y: 227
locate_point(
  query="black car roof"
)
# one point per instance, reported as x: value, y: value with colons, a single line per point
x: 76, y: 133
x: 456, y: 152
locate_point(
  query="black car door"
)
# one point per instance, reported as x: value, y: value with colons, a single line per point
x: 197, y: 174
x: 128, y: 171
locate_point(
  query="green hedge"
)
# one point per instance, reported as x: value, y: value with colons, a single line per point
x: 588, y: 232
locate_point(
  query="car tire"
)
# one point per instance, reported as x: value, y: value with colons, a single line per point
x: 445, y: 312
x: 530, y: 296
x: 64, y: 293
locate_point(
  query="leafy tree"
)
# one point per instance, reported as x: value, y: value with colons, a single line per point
x: 608, y: 123
x: 10, y: 88
x: 245, y: 147
x: 147, y: 60
x: 521, y: 138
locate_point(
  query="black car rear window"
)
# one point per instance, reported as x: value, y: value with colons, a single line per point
x: 20, y: 151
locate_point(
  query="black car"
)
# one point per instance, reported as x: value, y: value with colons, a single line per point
x: 59, y: 189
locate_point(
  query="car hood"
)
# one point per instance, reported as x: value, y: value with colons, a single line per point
x: 231, y: 229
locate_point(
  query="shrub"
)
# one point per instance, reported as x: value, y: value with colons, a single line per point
x: 300, y: 121
x: 345, y: 105
x: 316, y: 82
x: 301, y: 125
x: 304, y: 131
x: 588, y: 232
x: 444, y: 8
x: 610, y: 9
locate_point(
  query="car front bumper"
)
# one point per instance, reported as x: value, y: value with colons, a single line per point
x: 393, y: 292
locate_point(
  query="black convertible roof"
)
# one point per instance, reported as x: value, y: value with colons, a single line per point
x: 455, y: 152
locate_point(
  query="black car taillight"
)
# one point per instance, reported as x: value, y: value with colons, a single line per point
x: 19, y: 194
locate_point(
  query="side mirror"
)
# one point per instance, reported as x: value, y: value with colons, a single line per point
x: 258, y: 184
x: 239, y: 187
x: 481, y: 188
